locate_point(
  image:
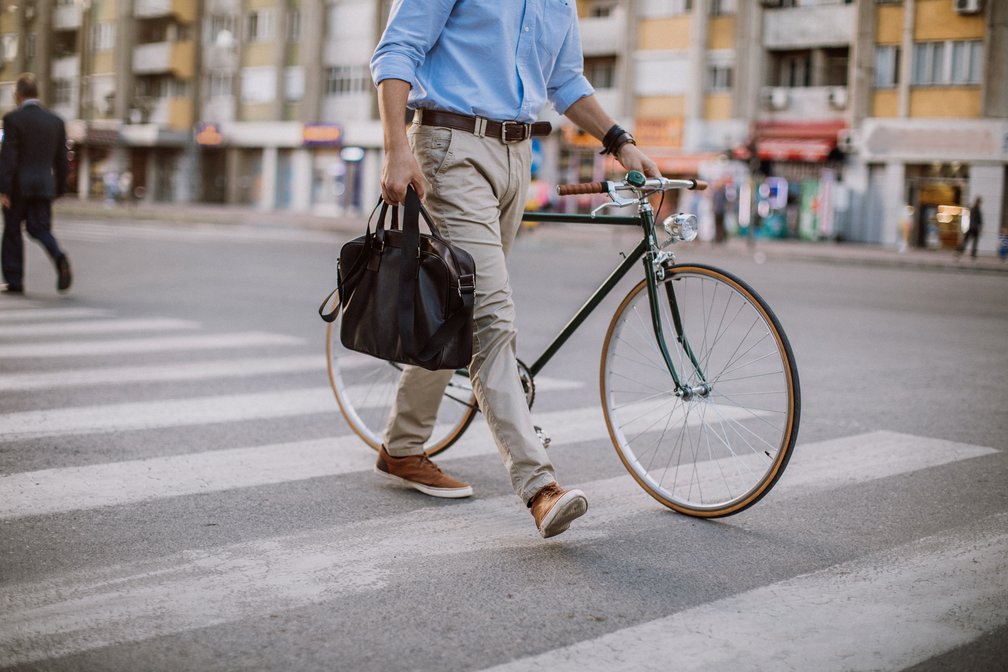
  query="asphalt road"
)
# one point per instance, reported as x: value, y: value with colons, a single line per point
x: 178, y: 491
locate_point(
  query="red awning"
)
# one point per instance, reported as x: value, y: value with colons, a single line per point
x: 796, y: 141
x: 795, y: 149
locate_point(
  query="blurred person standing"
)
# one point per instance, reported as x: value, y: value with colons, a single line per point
x: 973, y: 232
x: 33, y: 172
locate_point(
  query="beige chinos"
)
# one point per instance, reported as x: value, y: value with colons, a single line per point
x: 478, y: 193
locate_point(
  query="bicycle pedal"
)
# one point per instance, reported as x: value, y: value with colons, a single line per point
x: 544, y: 438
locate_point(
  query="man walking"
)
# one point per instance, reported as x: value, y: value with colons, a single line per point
x: 477, y: 73
x: 33, y: 171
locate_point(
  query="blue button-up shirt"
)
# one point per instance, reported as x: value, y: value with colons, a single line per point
x: 499, y: 59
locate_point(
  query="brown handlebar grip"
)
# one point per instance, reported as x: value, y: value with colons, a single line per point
x: 699, y: 185
x: 585, y: 188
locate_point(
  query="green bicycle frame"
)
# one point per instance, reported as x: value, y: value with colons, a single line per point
x: 645, y: 250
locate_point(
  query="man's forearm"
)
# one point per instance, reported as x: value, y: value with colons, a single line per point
x: 589, y: 116
x: 392, y: 97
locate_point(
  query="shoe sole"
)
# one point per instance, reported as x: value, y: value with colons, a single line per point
x: 572, y: 505
x: 446, y: 493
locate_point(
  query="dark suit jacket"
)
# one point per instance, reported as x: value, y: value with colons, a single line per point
x: 33, y: 157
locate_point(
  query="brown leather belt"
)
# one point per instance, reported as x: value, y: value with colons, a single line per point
x: 506, y: 131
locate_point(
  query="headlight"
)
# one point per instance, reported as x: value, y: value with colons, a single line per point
x: 680, y: 226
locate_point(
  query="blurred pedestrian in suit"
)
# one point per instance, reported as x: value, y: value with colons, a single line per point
x: 33, y: 172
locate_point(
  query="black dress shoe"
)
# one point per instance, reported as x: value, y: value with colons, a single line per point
x: 11, y: 289
x: 64, y: 277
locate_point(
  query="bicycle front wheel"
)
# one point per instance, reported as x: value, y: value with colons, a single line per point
x: 720, y: 446
x: 365, y: 389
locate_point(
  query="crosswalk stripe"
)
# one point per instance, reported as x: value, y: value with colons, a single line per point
x: 21, y: 314
x: 85, y: 327
x: 887, y: 611
x: 164, y: 413
x: 135, y: 345
x: 201, y: 588
x: 119, y: 375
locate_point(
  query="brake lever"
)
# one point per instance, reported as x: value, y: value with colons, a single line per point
x: 616, y: 201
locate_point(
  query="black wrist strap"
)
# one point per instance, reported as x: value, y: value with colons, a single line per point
x: 615, y: 138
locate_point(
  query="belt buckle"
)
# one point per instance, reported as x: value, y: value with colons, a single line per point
x: 526, y: 131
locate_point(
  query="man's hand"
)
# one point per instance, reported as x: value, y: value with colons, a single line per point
x: 632, y: 158
x: 5, y: 201
x: 400, y: 170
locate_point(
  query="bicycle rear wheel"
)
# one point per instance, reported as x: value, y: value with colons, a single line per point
x: 365, y: 390
x: 702, y: 454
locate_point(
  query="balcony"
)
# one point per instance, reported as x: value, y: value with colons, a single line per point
x: 810, y: 26
x: 184, y: 10
x: 804, y: 103
x: 604, y: 35
x: 177, y: 58
x: 174, y: 113
x: 67, y: 17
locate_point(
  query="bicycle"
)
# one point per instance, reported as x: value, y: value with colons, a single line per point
x: 699, y: 386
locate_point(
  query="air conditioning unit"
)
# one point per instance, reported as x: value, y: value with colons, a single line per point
x: 968, y: 6
x: 775, y: 98
x: 838, y: 98
x: 847, y: 140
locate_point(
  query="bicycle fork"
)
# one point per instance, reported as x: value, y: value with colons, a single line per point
x: 656, y: 264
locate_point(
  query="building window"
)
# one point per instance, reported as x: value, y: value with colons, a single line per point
x: 652, y: 9
x: 294, y: 80
x: 260, y: 26
x: 258, y: 85
x: 63, y: 91
x: 719, y: 78
x: 955, y: 63
x: 793, y: 69
x: 103, y: 36
x: 216, y: 27
x: 220, y: 84
x: 344, y: 80
x: 887, y: 65
x: 294, y: 25
x: 10, y: 47
x: 601, y: 71
x: 722, y: 7
x: 967, y: 62
x: 600, y: 9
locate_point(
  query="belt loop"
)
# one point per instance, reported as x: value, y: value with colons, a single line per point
x: 418, y: 116
x: 480, y: 130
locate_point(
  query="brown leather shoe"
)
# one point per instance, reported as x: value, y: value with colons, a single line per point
x: 554, y: 508
x: 419, y: 473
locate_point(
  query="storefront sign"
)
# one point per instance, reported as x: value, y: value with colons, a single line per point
x: 659, y: 131
x: 322, y: 135
x: 930, y: 141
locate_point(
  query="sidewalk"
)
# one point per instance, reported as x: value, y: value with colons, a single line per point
x: 764, y: 249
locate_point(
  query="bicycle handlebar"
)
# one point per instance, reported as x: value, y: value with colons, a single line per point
x: 609, y: 187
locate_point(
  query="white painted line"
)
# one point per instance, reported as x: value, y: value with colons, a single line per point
x: 201, y: 588
x: 22, y: 314
x: 165, y: 413
x: 133, y: 345
x: 194, y: 232
x: 85, y: 327
x: 887, y: 611
x: 120, y: 375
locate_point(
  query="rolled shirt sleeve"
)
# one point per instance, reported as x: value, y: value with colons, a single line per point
x: 567, y: 83
x: 412, y: 30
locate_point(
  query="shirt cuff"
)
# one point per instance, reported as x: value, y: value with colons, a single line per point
x: 571, y: 92
x: 393, y: 66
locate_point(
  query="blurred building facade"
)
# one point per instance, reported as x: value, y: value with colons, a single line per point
x: 870, y: 121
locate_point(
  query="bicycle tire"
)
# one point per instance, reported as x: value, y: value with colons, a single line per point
x: 364, y: 388
x: 717, y: 470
